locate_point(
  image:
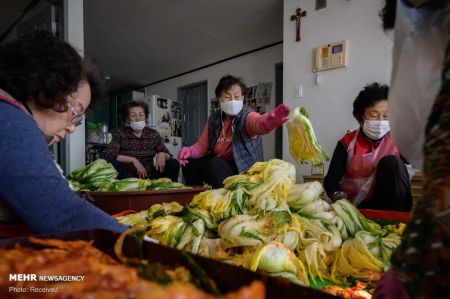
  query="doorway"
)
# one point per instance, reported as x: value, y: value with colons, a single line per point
x: 278, y: 101
x: 46, y: 17
x: 195, y: 110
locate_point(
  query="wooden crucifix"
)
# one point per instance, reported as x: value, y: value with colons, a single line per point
x: 298, y: 14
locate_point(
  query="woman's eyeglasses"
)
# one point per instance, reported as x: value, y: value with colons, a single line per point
x: 77, y: 118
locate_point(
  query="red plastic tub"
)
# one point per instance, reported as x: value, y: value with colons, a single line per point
x: 386, y: 215
x: 116, y: 202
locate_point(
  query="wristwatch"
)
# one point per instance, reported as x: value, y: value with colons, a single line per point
x: 338, y: 195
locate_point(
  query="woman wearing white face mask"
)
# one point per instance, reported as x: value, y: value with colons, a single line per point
x: 230, y: 142
x: 132, y: 149
x: 366, y: 164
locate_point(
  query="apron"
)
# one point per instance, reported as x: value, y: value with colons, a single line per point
x: 7, y: 229
x: 361, y: 169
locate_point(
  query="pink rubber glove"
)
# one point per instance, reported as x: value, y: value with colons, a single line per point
x: 189, y: 152
x: 276, y: 117
x: 183, y: 155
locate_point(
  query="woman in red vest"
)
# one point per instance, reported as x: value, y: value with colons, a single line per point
x: 367, y: 167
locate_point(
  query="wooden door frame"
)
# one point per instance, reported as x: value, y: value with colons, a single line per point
x: 278, y: 101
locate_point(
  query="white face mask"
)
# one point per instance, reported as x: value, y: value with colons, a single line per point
x: 137, y: 125
x: 376, y: 129
x: 231, y: 107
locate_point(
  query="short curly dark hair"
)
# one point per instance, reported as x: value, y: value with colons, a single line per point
x: 125, y: 109
x: 226, y: 82
x: 387, y: 14
x: 41, y: 68
x: 370, y: 95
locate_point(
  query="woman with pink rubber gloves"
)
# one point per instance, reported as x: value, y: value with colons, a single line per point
x: 231, y: 140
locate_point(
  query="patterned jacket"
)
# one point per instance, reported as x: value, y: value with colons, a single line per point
x: 144, y: 148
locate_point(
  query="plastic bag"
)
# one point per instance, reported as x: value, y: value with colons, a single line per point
x: 419, y: 45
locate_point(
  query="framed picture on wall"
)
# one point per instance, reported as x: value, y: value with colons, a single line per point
x: 162, y: 103
x: 317, y: 169
x: 251, y: 92
x: 263, y: 93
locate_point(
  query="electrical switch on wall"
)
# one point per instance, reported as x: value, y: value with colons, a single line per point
x: 298, y: 91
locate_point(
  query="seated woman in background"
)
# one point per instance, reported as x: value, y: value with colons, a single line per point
x: 231, y: 141
x: 366, y: 164
x: 132, y: 149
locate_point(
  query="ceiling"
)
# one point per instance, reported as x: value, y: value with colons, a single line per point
x: 137, y: 42
x: 11, y: 9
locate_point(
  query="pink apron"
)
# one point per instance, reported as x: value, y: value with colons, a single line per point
x: 361, y: 169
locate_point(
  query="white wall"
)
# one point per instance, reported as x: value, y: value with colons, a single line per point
x: 330, y: 102
x: 252, y: 68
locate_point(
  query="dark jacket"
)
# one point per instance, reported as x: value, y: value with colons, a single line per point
x: 246, y: 150
x: 144, y: 148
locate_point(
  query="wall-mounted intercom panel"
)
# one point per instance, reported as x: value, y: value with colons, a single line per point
x: 330, y: 56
